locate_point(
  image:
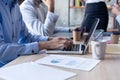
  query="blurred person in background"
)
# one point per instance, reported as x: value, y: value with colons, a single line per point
x: 95, y: 9
x: 40, y: 18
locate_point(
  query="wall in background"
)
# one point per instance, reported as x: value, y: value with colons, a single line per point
x: 61, y: 8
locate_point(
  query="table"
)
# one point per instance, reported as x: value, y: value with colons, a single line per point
x: 108, y: 69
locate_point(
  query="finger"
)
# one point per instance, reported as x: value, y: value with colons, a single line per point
x: 67, y: 44
x: 62, y: 38
x: 67, y: 41
x: 60, y: 46
x: 62, y: 42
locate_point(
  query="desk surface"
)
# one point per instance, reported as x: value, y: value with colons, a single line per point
x: 108, y: 69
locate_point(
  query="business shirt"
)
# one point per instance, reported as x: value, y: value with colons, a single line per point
x: 40, y: 20
x: 14, y: 37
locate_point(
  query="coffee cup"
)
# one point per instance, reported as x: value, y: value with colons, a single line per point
x: 76, y: 35
x: 115, y: 37
x: 98, y: 49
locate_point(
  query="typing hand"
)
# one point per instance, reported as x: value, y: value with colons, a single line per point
x: 56, y: 43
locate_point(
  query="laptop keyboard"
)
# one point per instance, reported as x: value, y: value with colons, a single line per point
x: 75, y: 47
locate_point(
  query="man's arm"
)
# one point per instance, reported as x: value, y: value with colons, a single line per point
x: 27, y: 43
x: 10, y: 51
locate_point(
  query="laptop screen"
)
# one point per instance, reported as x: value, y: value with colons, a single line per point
x: 91, y: 32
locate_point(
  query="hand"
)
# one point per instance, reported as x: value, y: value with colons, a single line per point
x: 49, y: 4
x: 116, y: 10
x: 56, y: 43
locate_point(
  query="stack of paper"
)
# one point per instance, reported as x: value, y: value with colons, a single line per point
x: 33, y: 71
x: 113, y: 48
x: 69, y: 62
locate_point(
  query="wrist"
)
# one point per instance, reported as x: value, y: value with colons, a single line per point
x: 42, y: 45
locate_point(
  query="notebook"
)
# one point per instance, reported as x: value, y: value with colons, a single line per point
x: 34, y: 71
x: 79, y: 48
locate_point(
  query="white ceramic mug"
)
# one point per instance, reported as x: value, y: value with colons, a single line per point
x: 98, y: 49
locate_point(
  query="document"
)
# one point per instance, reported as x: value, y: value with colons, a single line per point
x: 33, y: 71
x: 69, y: 62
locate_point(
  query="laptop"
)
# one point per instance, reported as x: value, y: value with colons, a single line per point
x: 79, y: 48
